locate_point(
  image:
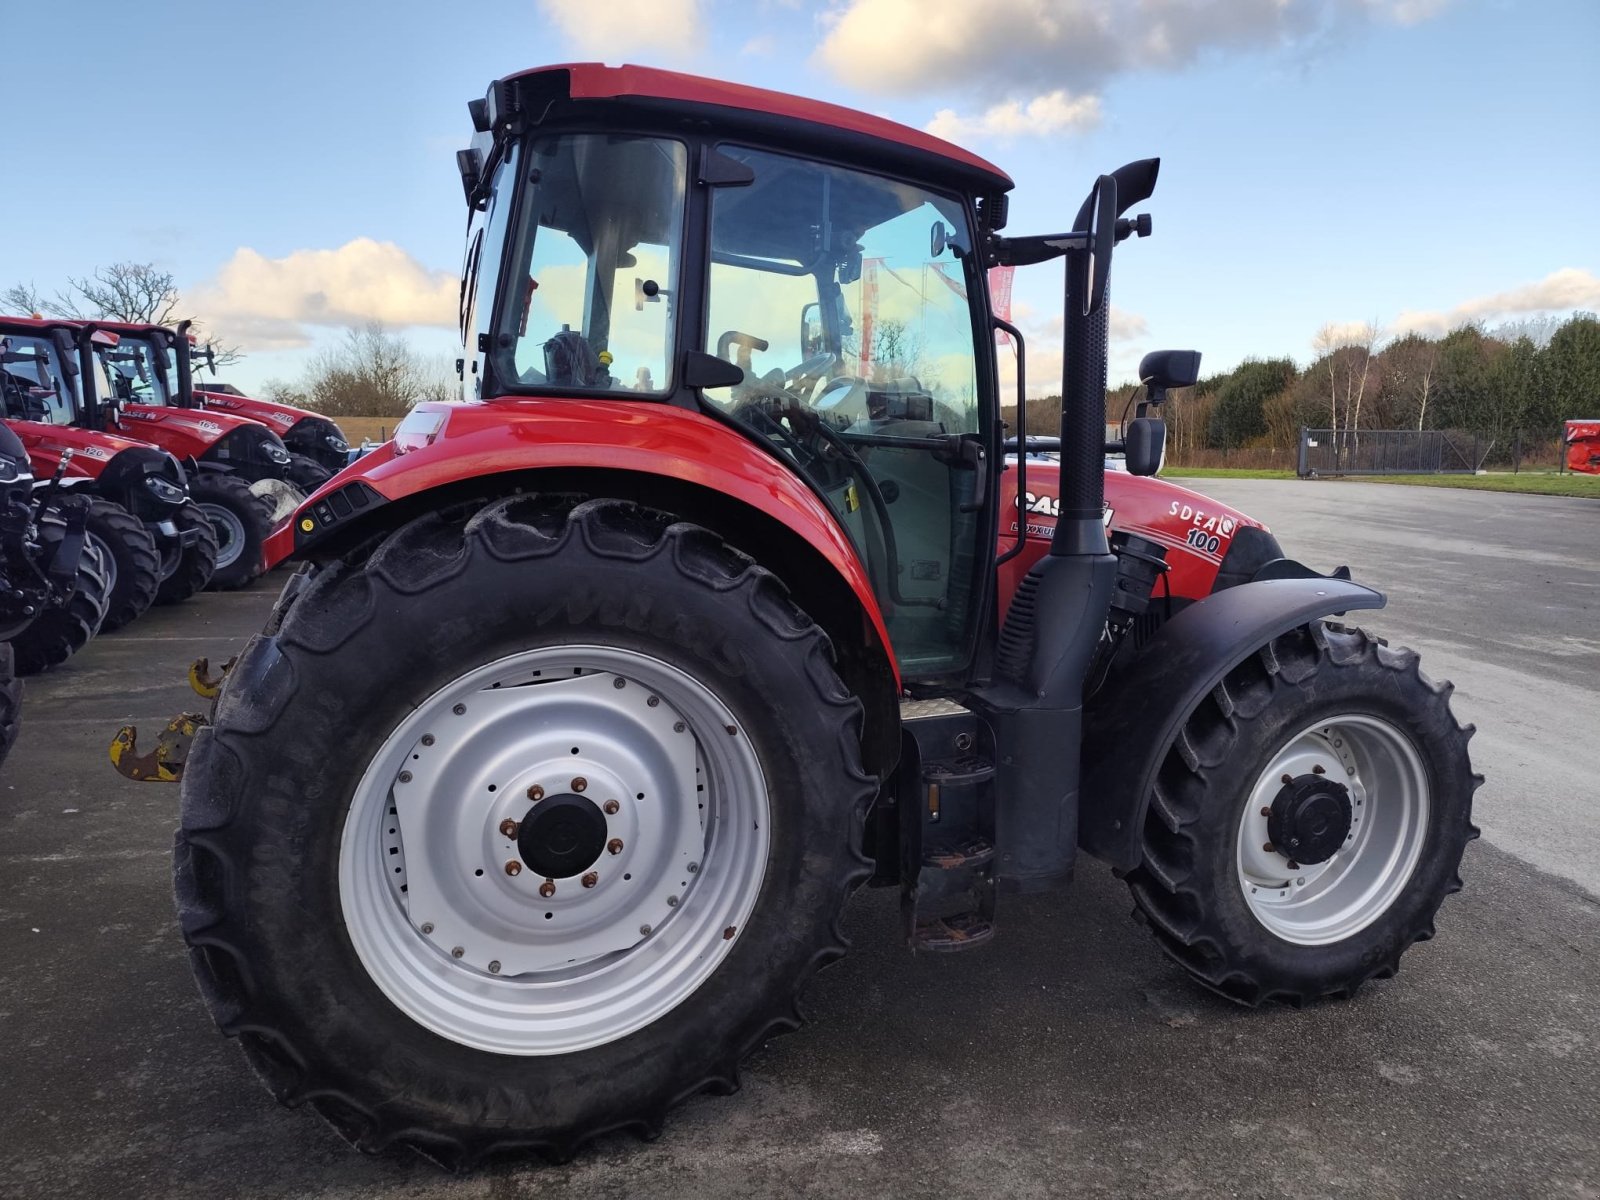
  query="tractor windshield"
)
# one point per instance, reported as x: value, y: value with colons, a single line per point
x: 595, y: 266
x: 136, y: 376
x: 35, y: 388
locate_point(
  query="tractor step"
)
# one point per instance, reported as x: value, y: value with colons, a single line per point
x: 947, y: 935
x: 966, y: 855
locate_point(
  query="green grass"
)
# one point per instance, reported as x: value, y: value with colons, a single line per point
x: 1536, y: 483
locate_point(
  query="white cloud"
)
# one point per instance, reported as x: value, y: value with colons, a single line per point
x: 1559, y: 291
x: 760, y: 46
x: 612, y: 29
x: 1045, y: 358
x: 267, y: 303
x: 1005, y: 47
x: 1053, y: 112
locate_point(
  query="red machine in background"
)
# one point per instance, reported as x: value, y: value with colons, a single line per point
x: 1582, y: 441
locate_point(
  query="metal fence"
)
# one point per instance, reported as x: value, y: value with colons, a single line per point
x: 1389, y: 452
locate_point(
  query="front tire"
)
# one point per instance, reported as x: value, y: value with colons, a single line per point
x: 416, y: 991
x: 133, y: 561
x: 61, y: 630
x: 241, y: 519
x: 10, y: 702
x: 1308, y: 821
x: 197, y: 563
x: 306, y: 473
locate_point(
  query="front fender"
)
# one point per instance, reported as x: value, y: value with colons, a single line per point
x: 496, y: 443
x: 1132, y: 722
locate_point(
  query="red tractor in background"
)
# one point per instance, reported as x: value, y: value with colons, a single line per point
x: 1582, y: 442
x: 153, y: 367
x: 238, y: 467
x: 156, y: 543
x: 317, y: 444
x: 537, y: 801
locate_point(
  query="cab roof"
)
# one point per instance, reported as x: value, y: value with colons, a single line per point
x: 596, y: 81
x: 142, y: 327
x: 101, y: 336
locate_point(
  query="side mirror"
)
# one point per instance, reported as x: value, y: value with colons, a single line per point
x: 810, y: 329
x: 938, y: 239
x: 1102, y: 239
x: 1145, y: 445
x: 1163, y: 369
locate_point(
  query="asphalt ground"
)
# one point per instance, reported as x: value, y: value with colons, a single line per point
x: 1067, y: 1058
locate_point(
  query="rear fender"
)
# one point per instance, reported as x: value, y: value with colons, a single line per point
x: 662, y: 457
x: 1133, y: 721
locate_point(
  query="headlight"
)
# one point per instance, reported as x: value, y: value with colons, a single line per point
x: 336, y: 443
x: 11, y: 470
x: 165, y: 490
x: 276, y: 454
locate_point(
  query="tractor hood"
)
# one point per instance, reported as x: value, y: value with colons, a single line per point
x: 186, y: 432
x: 91, y: 452
x: 1175, y: 517
x: 280, y: 418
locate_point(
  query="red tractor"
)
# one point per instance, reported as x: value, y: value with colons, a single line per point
x: 156, y: 543
x: 317, y: 445
x: 1581, y: 441
x: 537, y: 801
x: 238, y: 467
x: 153, y: 367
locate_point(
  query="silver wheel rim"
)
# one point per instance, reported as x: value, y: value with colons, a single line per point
x: 230, y: 533
x: 108, y: 562
x: 533, y: 964
x: 1315, y: 904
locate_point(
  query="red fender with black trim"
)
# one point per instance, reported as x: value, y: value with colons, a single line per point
x: 184, y: 432
x: 91, y: 452
x: 440, y: 444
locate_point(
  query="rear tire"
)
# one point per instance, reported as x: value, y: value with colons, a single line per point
x: 198, y: 562
x: 61, y: 630
x: 133, y: 561
x: 241, y: 519
x: 10, y: 702
x: 359, y: 660
x: 1391, y: 756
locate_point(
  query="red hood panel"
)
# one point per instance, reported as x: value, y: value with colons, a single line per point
x: 280, y: 418
x: 186, y: 432
x: 91, y: 451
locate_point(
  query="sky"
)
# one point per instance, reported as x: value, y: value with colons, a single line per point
x: 1325, y: 163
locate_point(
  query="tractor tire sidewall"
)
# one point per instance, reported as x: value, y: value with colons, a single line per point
x: 10, y: 702
x: 306, y: 473
x: 66, y: 627
x: 137, y: 560
x: 254, y: 514
x: 1255, y: 964
x: 304, y: 712
x: 198, y: 562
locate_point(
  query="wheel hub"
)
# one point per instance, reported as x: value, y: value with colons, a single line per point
x: 562, y: 836
x: 1310, y: 819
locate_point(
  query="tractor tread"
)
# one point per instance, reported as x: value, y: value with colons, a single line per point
x: 1172, y: 897
x: 320, y: 613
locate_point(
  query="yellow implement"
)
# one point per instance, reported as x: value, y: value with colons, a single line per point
x: 165, y: 763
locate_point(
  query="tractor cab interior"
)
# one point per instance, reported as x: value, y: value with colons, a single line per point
x: 139, y: 371
x: 33, y: 385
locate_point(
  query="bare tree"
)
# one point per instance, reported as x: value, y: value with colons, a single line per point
x: 139, y: 293
x: 372, y: 373
x: 1346, y: 354
x: 22, y: 300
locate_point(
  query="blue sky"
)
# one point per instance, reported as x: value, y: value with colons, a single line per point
x: 1412, y: 162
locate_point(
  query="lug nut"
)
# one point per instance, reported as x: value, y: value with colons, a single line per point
x: 1266, y: 812
x: 1319, y: 769
x: 427, y: 927
x: 457, y: 952
x: 536, y: 793
x: 653, y: 701
x: 405, y: 776
x: 547, y: 888
x: 611, y: 807
x: 1269, y: 847
x: 619, y: 682
x: 645, y: 930
x: 427, y: 739
x: 513, y: 867
x: 727, y: 934
x: 494, y: 967
x: 672, y: 902
x: 591, y: 879
x: 614, y: 846
x: 1288, y: 778
x: 678, y: 727
x: 508, y: 828
x: 1294, y: 866
x: 694, y: 868
x: 580, y: 784
x: 460, y: 710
